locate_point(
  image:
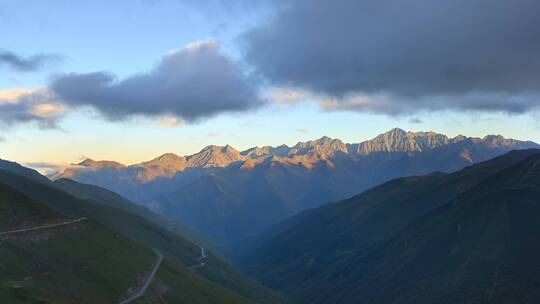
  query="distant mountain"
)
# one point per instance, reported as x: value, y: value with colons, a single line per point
x: 23, y: 171
x: 84, y: 262
x: 230, y: 194
x: 467, y: 237
x: 136, y: 223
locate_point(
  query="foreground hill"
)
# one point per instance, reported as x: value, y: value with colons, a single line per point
x: 230, y: 194
x: 466, y: 237
x: 81, y: 261
x: 135, y: 227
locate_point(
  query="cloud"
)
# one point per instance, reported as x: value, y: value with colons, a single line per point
x: 407, y: 55
x: 170, y: 121
x: 302, y: 130
x: 46, y: 110
x: 415, y: 120
x: 46, y: 168
x: 29, y: 106
x: 26, y: 64
x: 404, y: 105
x: 287, y: 95
x: 214, y: 134
x: 11, y: 95
x: 192, y: 83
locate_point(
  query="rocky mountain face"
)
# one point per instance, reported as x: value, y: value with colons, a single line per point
x: 232, y: 194
x: 466, y: 237
x: 165, y: 165
x: 397, y: 140
x: 214, y: 156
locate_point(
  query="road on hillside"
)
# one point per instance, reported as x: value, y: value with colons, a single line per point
x: 202, y: 257
x: 43, y: 227
x: 157, y: 263
x: 140, y: 293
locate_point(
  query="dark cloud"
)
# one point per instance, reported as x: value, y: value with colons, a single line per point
x: 415, y: 120
x: 26, y: 64
x: 472, y: 54
x: 192, y: 83
x: 32, y: 107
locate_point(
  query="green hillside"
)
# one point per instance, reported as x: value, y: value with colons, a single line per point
x: 176, y: 248
x: 82, y: 262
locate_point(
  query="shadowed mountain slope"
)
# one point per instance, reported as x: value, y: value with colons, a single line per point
x: 466, y: 237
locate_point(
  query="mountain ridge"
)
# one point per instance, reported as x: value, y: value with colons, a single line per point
x: 393, y: 141
x: 230, y: 194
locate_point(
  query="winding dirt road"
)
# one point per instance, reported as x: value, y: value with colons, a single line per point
x: 43, y: 227
x: 202, y: 257
x: 141, y: 292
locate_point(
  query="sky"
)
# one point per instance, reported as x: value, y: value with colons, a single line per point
x: 129, y: 80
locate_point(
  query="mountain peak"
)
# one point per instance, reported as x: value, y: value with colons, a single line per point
x: 396, y: 132
x: 90, y: 163
x: 323, y: 147
x: 220, y: 149
x: 496, y: 140
x: 165, y: 165
x: 214, y: 156
x: 398, y: 140
x: 168, y: 160
x: 264, y: 151
x: 324, y: 139
x: 86, y: 162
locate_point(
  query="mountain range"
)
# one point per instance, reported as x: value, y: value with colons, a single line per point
x: 460, y: 226
x: 471, y: 236
x: 231, y: 195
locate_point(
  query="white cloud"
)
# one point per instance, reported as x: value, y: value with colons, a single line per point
x: 45, y: 110
x: 170, y: 121
x: 287, y: 95
x: 37, y: 105
x: 12, y: 95
x: 194, y: 83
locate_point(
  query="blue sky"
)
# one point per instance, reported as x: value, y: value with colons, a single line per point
x: 127, y: 38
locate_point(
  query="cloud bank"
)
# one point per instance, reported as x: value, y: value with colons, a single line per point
x: 29, y: 106
x: 192, y: 83
x: 394, y: 56
x: 26, y: 64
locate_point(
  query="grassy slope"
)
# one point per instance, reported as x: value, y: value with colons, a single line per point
x: 133, y: 226
x: 81, y: 263
x: 172, y: 284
